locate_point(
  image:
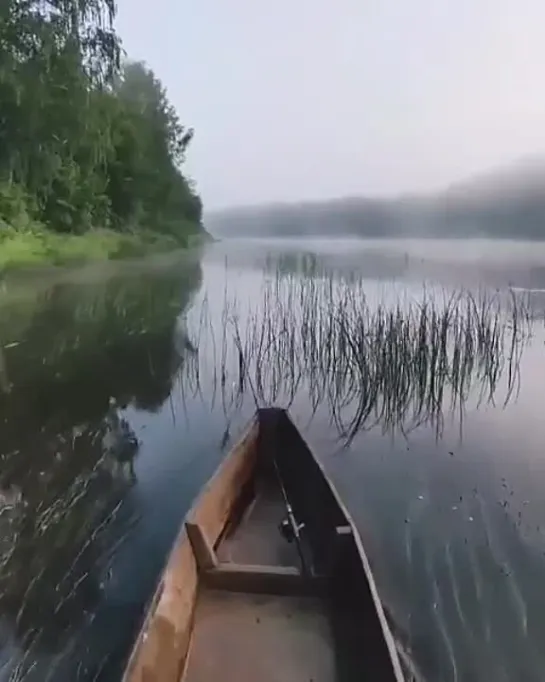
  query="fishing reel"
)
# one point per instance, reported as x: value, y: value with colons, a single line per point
x: 288, y: 530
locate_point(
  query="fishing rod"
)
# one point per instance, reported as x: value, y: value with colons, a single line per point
x: 291, y: 522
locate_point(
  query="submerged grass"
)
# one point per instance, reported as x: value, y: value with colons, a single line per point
x: 393, y: 364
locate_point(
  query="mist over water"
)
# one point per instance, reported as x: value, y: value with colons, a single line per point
x: 122, y: 388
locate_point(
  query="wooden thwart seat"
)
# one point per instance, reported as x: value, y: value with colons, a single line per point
x: 250, y: 578
x: 272, y: 580
x: 205, y: 554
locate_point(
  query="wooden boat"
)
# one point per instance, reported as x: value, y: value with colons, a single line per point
x: 268, y: 580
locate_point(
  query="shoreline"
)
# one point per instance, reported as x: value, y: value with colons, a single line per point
x: 21, y: 250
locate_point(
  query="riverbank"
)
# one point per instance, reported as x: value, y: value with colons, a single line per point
x: 21, y: 249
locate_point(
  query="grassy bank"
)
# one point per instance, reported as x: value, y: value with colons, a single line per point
x: 29, y: 248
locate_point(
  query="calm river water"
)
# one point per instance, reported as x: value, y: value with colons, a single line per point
x: 116, y: 406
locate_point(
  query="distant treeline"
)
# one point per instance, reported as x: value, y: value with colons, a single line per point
x: 483, y: 208
x: 86, y: 140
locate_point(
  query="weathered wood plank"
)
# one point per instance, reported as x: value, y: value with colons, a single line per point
x: 161, y: 648
x: 205, y: 556
x: 273, y: 580
x: 218, y: 499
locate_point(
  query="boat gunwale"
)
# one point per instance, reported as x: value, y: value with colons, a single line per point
x: 249, y: 436
x: 377, y: 602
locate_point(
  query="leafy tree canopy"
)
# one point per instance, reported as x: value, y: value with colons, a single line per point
x: 86, y: 140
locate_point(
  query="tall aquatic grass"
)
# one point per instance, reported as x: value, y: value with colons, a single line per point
x: 394, y: 363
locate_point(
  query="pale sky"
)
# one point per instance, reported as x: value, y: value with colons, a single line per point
x: 304, y: 99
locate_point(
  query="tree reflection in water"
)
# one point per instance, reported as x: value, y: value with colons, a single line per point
x: 78, y: 356
x: 82, y: 354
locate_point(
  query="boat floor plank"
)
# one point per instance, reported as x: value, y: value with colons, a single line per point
x: 257, y: 539
x: 250, y: 638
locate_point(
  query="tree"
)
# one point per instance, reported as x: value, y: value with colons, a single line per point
x: 149, y: 149
x: 83, y: 141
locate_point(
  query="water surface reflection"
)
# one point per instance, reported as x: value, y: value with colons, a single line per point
x: 119, y: 394
x: 76, y: 358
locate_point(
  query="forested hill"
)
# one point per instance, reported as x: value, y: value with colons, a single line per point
x: 87, y: 139
x: 506, y: 203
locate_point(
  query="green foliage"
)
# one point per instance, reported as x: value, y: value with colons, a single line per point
x: 149, y: 145
x: 85, y: 142
x: 27, y: 248
x: 16, y: 209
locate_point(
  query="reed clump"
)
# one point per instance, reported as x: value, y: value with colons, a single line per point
x: 395, y: 363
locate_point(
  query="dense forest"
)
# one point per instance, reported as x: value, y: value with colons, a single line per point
x: 507, y: 203
x: 87, y: 139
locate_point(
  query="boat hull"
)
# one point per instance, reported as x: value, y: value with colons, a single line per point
x: 290, y: 605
